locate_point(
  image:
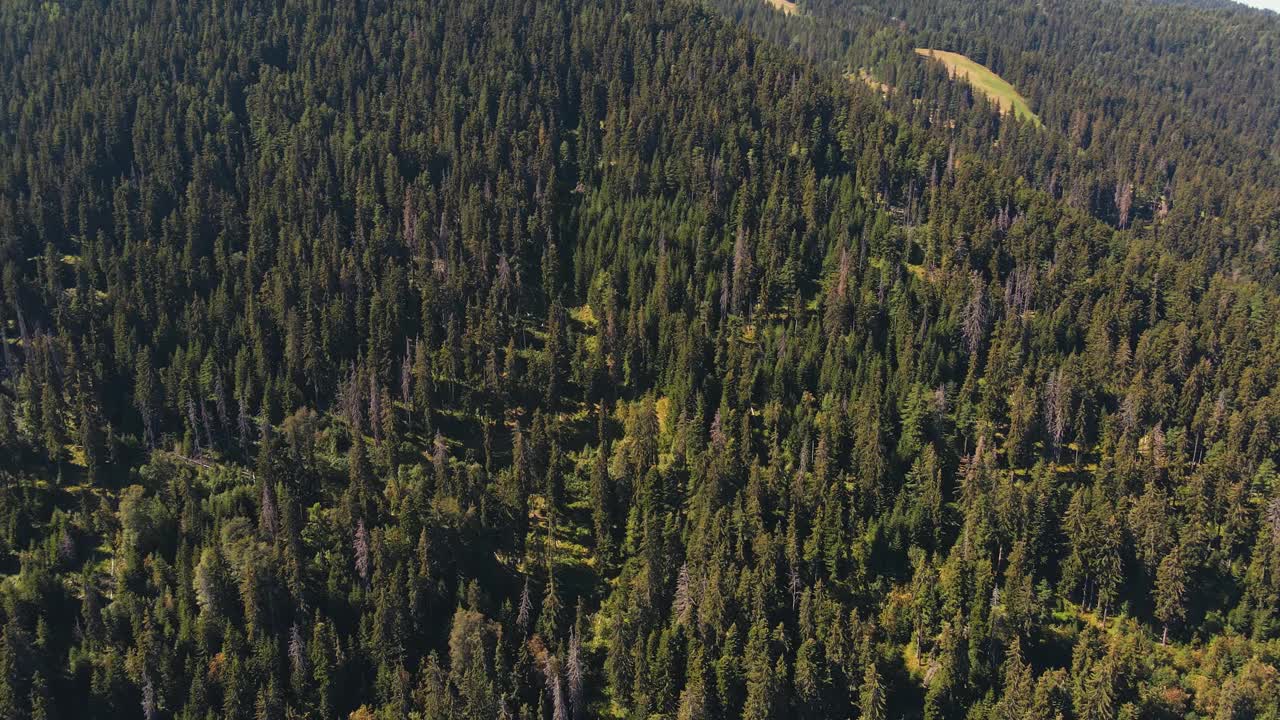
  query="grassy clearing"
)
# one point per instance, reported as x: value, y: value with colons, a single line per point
x: 787, y: 8
x: 870, y: 80
x: 984, y: 81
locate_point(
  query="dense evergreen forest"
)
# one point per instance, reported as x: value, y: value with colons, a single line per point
x: 624, y: 358
x: 1151, y: 109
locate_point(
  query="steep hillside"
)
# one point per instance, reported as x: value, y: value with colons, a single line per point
x: 596, y: 358
x: 1155, y: 112
x: 980, y: 77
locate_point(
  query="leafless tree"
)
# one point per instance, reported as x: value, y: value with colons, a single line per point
x: 683, y: 604
x: 1124, y: 202
x: 975, y: 316
x: 559, y: 710
x: 267, y: 520
x: 406, y: 373
x: 741, y: 270
x: 575, y: 675
x: 297, y: 650
x: 148, y: 697
x: 375, y: 409
x: 361, y: 547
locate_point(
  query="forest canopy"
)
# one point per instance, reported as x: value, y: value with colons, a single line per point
x: 623, y: 358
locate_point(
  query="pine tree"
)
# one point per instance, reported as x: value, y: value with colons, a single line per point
x: 871, y: 695
x: 1171, y: 580
x: 1018, y: 687
x: 525, y: 608
x: 11, y: 691
x: 762, y: 684
x: 53, y: 429
x: 146, y: 396
x: 8, y: 428
x: 549, y: 614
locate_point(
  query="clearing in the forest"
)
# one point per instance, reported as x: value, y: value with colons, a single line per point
x: 787, y: 8
x: 983, y: 80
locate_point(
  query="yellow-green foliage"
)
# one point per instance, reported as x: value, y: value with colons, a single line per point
x: 996, y: 88
x: 785, y: 6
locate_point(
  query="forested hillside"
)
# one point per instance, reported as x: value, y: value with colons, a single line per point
x: 1166, y: 111
x: 599, y: 358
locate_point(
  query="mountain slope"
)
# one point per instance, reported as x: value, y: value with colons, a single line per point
x: 581, y: 359
x: 1152, y: 110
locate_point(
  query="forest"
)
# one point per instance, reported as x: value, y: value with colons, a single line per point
x: 566, y: 359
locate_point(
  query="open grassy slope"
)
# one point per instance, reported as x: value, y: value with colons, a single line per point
x: 787, y: 7
x: 982, y: 79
